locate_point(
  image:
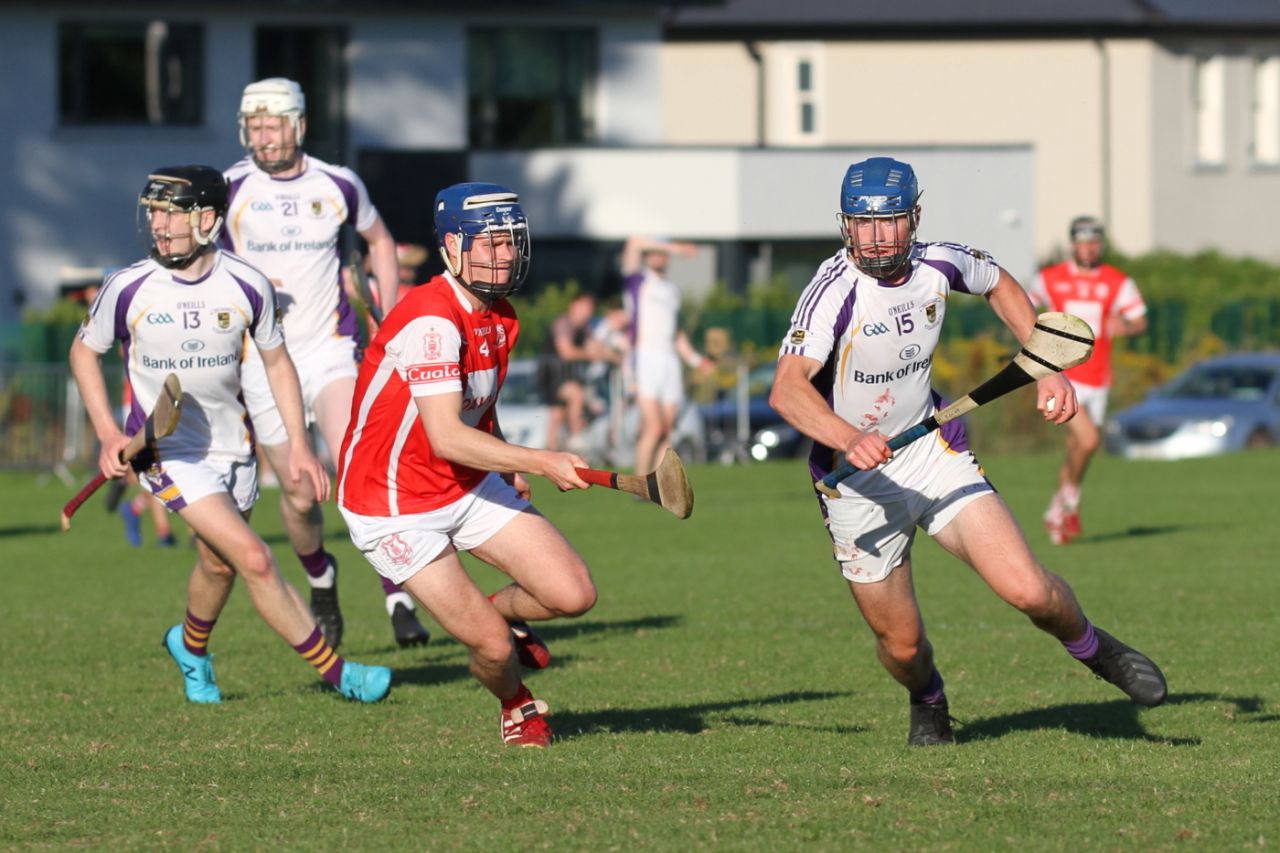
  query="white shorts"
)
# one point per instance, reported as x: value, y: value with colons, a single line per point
x: 659, y: 376
x: 318, y: 365
x: 1092, y: 400
x: 871, y: 537
x: 400, y: 546
x: 178, y: 483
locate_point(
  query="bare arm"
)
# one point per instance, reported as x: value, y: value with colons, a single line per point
x: 382, y: 259
x: 1055, y: 396
x: 283, y: 379
x: 454, y: 440
x: 794, y: 397
x: 86, y: 367
x: 633, y: 252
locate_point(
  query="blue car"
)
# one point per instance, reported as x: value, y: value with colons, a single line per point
x: 1220, y: 405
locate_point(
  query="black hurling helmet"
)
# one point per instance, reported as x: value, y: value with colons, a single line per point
x: 188, y: 190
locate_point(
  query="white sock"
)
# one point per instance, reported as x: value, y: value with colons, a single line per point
x: 326, y: 580
x: 399, y: 598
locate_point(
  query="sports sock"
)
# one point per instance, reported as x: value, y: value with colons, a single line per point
x: 389, y: 587
x: 522, y: 696
x: 319, y: 654
x: 1070, y: 497
x: 933, y: 693
x: 1084, y: 647
x: 318, y: 567
x: 397, y: 597
x: 195, y: 634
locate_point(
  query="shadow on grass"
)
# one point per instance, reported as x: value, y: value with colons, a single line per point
x: 28, y: 529
x: 445, y: 651
x: 1137, y: 532
x: 685, y: 719
x: 1116, y: 719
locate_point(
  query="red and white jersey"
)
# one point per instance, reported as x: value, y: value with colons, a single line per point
x: 1093, y: 296
x: 432, y: 342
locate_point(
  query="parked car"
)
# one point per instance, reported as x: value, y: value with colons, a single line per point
x: 610, y: 436
x: 1219, y: 405
x: 768, y: 436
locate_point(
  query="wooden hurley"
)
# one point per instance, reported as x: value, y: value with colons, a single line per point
x: 668, y: 486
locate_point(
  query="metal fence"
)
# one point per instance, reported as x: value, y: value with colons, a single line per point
x: 43, y: 425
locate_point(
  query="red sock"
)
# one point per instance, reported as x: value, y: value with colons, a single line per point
x: 522, y: 696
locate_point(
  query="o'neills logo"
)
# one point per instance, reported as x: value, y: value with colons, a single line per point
x: 433, y: 372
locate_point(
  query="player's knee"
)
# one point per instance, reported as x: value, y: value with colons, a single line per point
x: 212, y: 564
x: 1034, y: 597
x: 256, y: 563
x: 494, y: 652
x: 296, y: 497
x: 572, y: 600
x: 902, y: 650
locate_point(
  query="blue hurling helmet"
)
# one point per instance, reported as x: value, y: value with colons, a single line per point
x: 880, y: 187
x: 480, y: 210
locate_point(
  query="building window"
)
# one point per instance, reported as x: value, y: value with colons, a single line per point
x: 1210, y: 111
x: 531, y: 87
x: 1266, y: 111
x: 130, y: 73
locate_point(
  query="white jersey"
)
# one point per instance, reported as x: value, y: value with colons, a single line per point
x: 653, y: 307
x: 288, y: 228
x: 876, y: 342
x: 194, y: 329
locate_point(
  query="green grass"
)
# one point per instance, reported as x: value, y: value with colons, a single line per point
x: 723, y: 693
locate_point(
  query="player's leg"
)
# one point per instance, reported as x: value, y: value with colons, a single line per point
x: 574, y: 398
x: 461, y: 609
x: 332, y: 408
x: 649, y: 435
x: 985, y: 535
x: 1062, y: 518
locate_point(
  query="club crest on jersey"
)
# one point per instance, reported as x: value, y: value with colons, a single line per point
x: 797, y: 337
x: 932, y: 313
x: 222, y: 320
x: 431, y: 345
x: 317, y: 206
x: 502, y: 336
x: 398, y: 551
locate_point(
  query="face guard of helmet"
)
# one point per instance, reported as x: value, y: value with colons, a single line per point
x: 272, y: 123
x: 1087, y: 236
x: 484, y: 238
x: 879, y: 215
x: 180, y: 211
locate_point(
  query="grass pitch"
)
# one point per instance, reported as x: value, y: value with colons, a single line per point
x: 723, y: 693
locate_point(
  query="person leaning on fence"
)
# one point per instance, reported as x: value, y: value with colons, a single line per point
x: 1109, y: 301
x: 854, y: 369
x: 189, y: 297
x: 568, y: 352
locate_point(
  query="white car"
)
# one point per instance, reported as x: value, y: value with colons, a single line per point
x: 610, y: 437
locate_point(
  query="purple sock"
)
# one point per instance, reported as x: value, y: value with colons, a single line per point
x: 389, y: 587
x: 319, y: 654
x: 933, y: 693
x: 1086, y: 646
x: 315, y: 564
x: 195, y: 634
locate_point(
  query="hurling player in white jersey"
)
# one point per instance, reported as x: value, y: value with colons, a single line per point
x: 186, y: 310
x: 854, y: 370
x: 425, y: 472
x: 285, y: 214
x: 658, y: 344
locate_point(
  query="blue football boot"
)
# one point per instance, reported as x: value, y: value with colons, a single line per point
x: 197, y: 670
x: 364, y: 683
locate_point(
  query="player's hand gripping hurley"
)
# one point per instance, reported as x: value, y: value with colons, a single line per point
x: 668, y: 486
x: 162, y: 421
x: 1057, y: 341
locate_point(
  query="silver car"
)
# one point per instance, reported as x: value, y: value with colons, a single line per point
x: 1220, y: 405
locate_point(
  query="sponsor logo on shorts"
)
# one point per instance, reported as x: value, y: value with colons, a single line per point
x: 420, y: 373
x: 398, y: 551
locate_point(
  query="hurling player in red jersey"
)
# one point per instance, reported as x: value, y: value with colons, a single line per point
x: 1109, y: 301
x: 424, y: 472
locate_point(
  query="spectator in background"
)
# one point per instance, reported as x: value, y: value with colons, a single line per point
x: 657, y: 342
x: 1109, y: 301
x: 570, y: 348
